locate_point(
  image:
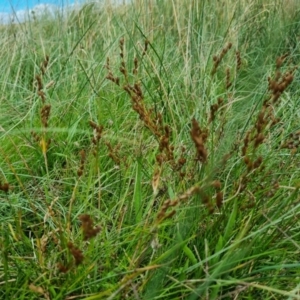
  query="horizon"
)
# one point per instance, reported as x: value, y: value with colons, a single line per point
x: 10, y: 6
x: 19, y: 10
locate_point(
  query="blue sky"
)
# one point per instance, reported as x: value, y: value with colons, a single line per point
x: 7, y: 5
x: 20, y: 10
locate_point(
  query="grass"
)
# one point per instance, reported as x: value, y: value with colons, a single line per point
x: 150, y: 151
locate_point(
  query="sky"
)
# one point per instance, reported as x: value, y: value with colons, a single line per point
x: 7, y: 6
x: 19, y: 10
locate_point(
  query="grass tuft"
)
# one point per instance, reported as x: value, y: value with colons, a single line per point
x: 149, y: 150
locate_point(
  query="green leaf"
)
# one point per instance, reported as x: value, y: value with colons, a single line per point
x: 137, y: 197
x: 230, y: 224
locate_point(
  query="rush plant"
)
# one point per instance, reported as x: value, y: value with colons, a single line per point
x: 150, y: 150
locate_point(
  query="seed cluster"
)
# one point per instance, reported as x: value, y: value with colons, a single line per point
x: 88, y: 227
x: 199, y: 138
x: 218, y: 58
x: 45, y: 111
x: 4, y: 187
x: 89, y: 232
x: 82, y: 163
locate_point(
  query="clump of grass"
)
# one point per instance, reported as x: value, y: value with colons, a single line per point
x: 163, y: 165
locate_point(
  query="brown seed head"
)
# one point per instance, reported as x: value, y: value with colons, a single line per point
x: 88, y: 229
x: 76, y: 253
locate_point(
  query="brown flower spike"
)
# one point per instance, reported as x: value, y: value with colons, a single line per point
x: 77, y: 254
x: 88, y: 227
x: 199, y: 138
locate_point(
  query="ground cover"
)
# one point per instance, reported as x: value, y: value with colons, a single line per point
x: 150, y: 151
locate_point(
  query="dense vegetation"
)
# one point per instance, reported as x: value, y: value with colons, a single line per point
x: 151, y: 151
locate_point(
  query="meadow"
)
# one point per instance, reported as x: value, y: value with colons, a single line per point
x: 151, y: 151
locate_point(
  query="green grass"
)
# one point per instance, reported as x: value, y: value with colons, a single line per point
x: 139, y: 162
